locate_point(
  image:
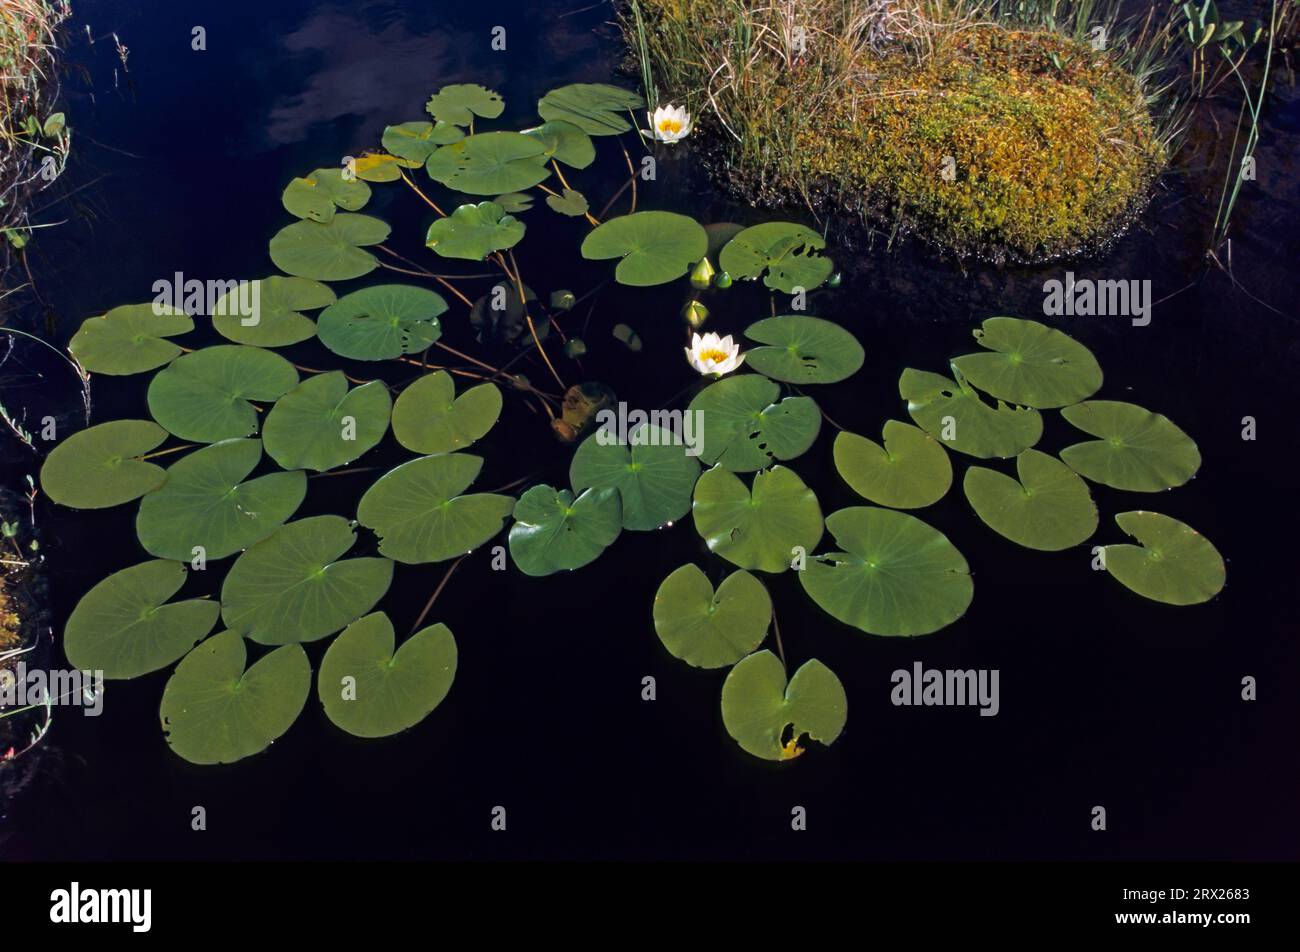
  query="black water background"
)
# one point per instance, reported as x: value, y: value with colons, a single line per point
x: 1106, y: 698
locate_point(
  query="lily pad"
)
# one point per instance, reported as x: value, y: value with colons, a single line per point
x: 652, y: 472
x: 319, y: 195
x: 1030, y: 364
x: 293, y: 586
x: 1049, y: 509
x: 655, y: 247
x: 129, y: 339
x: 473, y: 232
x: 460, y: 103
x: 554, y: 532
x: 125, y: 627
x: 786, y: 251
x: 215, y: 712
x: 382, y: 322
x: 278, y: 320
x: 490, y: 163
x: 102, y: 466
x: 204, y: 396
x: 416, y: 141
x: 595, y: 108
x: 204, y: 502
x: 769, y: 718
x: 710, y: 629
x: 803, y: 349
x: 419, y: 514
x: 910, y: 471
x: 1138, y: 450
x: 330, y: 251
x: 569, y: 202
x: 956, y: 415
x: 370, y: 690
x: 761, y: 530
x: 745, y: 428
x: 895, y: 575
x: 378, y: 167
x: 565, y: 142
x: 429, y: 418
x: 320, y: 423
x: 515, y: 202
x: 1172, y: 563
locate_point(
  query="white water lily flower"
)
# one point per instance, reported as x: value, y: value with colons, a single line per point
x: 669, y: 124
x: 712, y: 354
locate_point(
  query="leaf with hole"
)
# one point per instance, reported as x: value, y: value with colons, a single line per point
x: 957, y: 416
x: 1049, y: 509
x: 762, y: 529
x: 745, y: 428
x: 331, y: 251
x: 554, y: 532
x: 1137, y: 450
x: 769, y: 718
x: 129, y: 339
x: 1030, y: 364
x: 1172, y: 562
x: 205, y: 396
x: 711, y: 629
x: 429, y: 418
x: 801, y: 349
x: 910, y: 471
x: 786, y: 251
x: 653, y: 247
x: 458, y: 104
x: 321, y: 424
x: 652, y: 471
x: 103, y: 466
x: 382, y: 322
x: 473, y: 232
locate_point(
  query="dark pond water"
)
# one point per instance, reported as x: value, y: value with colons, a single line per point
x: 1105, y: 698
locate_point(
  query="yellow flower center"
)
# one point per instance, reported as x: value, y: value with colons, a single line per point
x: 716, y: 356
x: 670, y: 125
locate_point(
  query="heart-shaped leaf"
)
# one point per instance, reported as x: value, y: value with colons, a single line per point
x: 785, y: 250
x: 655, y: 247
x: 317, y: 196
x: 102, y: 466
x: 765, y: 530
x: 565, y: 142
x: 571, y: 203
x: 710, y: 629
x: 276, y: 319
x: 473, y: 232
x: 595, y: 108
x: 490, y: 163
x: 129, y: 339
x: 769, y: 718
x: 1049, y: 509
x: 1172, y: 563
x: 515, y: 202
x: 429, y: 418
x: 329, y: 251
x: 378, y: 167
x: 416, y: 141
x: 460, y: 103
x: 554, y: 532
x: 745, y: 428
x: 320, y: 423
x: 1138, y: 450
x: 652, y: 471
x: 382, y: 322
x: 1030, y: 364
x: 803, y: 349
x: 953, y: 413
x: 910, y: 471
x: 204, y: 396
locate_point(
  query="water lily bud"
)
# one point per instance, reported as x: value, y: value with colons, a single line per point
x: 723, y: 280
x: 695, y: 313
x: 563, y: 300
x: 834, y: 280
x: 702, y: 275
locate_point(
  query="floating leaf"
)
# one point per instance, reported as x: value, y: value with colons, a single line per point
x: 896, y: 575
x: 204, y: 396
x: 652, y: 471
x: 1172, y: 563
x: 957, y: 416
x: 1049, y: 509
x: 369, y: 690
x: 377, y: 167
x: 332, y: 251
x: 746, y: 429
x: 708, y: 629
x: 293, y: 587
x: 909, y: 472
x: 803, y: 350
x: 319, y: 195
x: 420, y: 515
x: 554, y: 532
x: 382, y: 322
x: 1030, y: 364
x: 125, y: 627
x: 768, y: 718
x: 321, y: 424
x: 276, y: 321
x: 515, y: 201
x: 571, y: 203
x: 429, y: 418
x: 582, y: 404
x: 627, y: 337
x: 416, y: 141
x: 490, y: 163
x: 460, y: 103
x: 215, y: 712
x: 785, y: 250
x: 566, y: 142
x: 473, y: 232
x: 1138, y: 450
x: 655, y: 247
x: 204, y: 502
x: 129, y: 339
x: 101, y: 466
x: 595, y: 108
x: 763, y: 530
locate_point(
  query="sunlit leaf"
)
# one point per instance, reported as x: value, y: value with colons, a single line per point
x: 745, y: 428
x: 1050, y: 508
x: 565, y: 142
x: 554, y: 532
x: 764, y: 530
x: 910, y: 471
x: 652, y: 471
x: 321, y: 424
x: 1137, y: 450
x: 710, y: 629
x: 318, y: 196
x: 769, y: 718
x: 473, y: 232
x: 490, y: 163
x: 429, y: 417
x: 1172, y: 562
x: 802, y: 349
x: 956, y: 415
x: 595, y: 108
x: 460, y: 103
x: 786, y: 251
x: 654, y: 247
x: 1030, y: 364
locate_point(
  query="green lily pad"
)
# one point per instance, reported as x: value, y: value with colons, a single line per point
x: 744, y: 428
x: 293, y: 586
x: 370, y: 690
x: 760, y: 530
x: 473, y: 232
x: 215, y: 712
x: 380, y: 167
x: 655, y: 247
x: 769, y: 718
x: 320, y: 423
x: 429, y: 418
x: 652, y: 472
x: 896, y: 575
x: 278, y: 320
x: 957, y: 416
x: 595, y: 108
x: 565, y: 142
x: 910, y: 471
x: 785, y: 250
x: 129, y: 339
x: 416, y: 141
x: 490, y: 163
x: 382, y: 322
x: 419, y: 514
x: 554, y: 532
x: 329, y: 251
x: 317, y: 196
x: 1030, y: 364
x: 1137, y: 450
x: 569, y: 202
x: 515, y: 202
x: 460, y: 103
x: 1172, y: 563
x: 204, y: 396
x: 1049, y: 509
x: 710, y: 629
x: 803, y: 350
x: 125, y: 627
x: 204, y: 502
x: 101, y: 466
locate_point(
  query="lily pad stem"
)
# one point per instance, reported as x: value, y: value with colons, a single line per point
x: 436, y: 592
